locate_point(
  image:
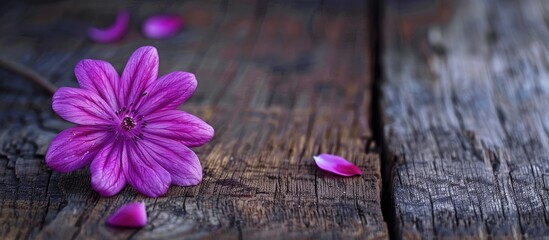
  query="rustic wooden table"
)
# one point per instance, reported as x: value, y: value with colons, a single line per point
x: 440, y: 103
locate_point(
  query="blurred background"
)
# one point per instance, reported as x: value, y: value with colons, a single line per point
x: 219, y: 40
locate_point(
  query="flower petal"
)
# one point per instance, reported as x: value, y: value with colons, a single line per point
x: 129, y: 215
x: 180, y: 161
x: 114, y: 32
x: 145, y: 174
x: 162, y: 26
x: 100, y: 77
x: 336, y: 164
x: 186, y: 128
x: 82, y: 107
x: 168, y: 92
x: 74, y: 148
x: 140, y: 71
x: 107, y: 176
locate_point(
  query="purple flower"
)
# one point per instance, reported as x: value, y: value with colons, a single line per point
x: 129, y: 128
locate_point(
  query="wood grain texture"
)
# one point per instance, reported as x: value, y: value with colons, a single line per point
x: 466, y: 118
x: 279, y: 81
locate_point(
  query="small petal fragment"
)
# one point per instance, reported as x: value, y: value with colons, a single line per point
x: 132, y: 215
x: 162, y: 26
x: 337, y: 165
x: 114, y: 32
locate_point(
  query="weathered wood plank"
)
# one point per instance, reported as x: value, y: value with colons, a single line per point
x: 466, y: 117
x: 280, y: 82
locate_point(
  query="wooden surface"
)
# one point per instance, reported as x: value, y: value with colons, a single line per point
x: 466, y: 118
x: 279, y: 81
x: 444, y: 102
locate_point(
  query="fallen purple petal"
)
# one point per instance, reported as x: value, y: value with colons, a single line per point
x: 132, y: 215
x: 162, y: 26
x: 337, y: 165
x: 114, y: 32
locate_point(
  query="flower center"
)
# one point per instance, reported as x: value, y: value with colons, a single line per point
x: 128, y: 123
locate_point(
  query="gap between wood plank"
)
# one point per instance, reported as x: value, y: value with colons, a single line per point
x: 375, y: 18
